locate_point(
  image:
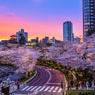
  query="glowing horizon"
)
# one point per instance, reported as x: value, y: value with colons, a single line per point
x: 39, y: 18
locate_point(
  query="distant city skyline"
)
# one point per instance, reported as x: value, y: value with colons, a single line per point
x: 39, y: 18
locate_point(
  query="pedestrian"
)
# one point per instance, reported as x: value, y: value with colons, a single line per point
x: 93, y: 85
x: 18, y: 84
x: 82, y: 85
x: 87, y: 85
x: 71, y: 83
x: 76, y: 86
x: 90, y: 83
x: 15, y: 82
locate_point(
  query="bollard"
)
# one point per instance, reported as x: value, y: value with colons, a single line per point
x: 2, y: 93
x: 34, y: 92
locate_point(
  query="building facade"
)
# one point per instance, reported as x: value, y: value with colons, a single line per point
x: 88, y: 16
x: 76, y: 40
x: 25, y: 34
x: 52, y: 41
x: 45, y: 40
x: 68, y: 31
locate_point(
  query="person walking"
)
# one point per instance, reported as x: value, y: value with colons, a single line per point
x: 82, y: 85
x: 90, y: 83
x: 18, y: 84
x: 15, y: 82
x: 93, y: 85
x: 76, y: 86
x: 72, y: 83
x: 87, y: 85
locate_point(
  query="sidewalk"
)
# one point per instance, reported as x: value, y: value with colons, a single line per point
x: 11, y: 89
x: 79, y: 88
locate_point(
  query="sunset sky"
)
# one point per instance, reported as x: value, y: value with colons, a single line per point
x: 39, y: 18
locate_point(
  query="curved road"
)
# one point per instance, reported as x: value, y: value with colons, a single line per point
x: 47, y: 77
x: 48, y: 81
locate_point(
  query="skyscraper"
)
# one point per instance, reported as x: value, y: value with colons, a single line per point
x: 67, y: 31
x: 88, y: 16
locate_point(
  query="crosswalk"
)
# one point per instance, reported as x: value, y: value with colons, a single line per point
x: 42, y: 88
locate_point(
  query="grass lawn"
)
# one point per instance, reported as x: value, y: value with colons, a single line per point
x: 80, y: 92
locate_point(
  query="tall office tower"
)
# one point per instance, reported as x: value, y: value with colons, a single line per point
x: 68, y: 31
x: 88, y: 16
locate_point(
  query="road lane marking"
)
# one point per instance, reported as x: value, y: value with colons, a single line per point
x: 33, y: 88
x: 25, y: 88
x: 42, y: 88
x: 60, y: 90
x: 38, y: 78
x: 29, y: 88
x: 55, y: 89
x: 38, y: 88
x: 51, y: 89
x: 49, y: 77
x: 47, y: 88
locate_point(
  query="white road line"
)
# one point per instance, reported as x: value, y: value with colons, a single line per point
x: 25, y: 88
x: 29, y: 88
x: 49, y: 77
x: 51, y: 89
x: 42, y: 88
x: 38, y: 88
x: 60, y: 90
x: 33, y: 88
x: 47, y: 88
x: 55, y: 89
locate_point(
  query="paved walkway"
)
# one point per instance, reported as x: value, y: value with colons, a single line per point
x: 13, y: 87
x: 79, y: 88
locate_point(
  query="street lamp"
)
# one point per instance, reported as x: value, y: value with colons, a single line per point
x: 62, y: 87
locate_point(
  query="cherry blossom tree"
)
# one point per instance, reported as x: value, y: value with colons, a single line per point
x: 24, y: 58
x: 81, y: 54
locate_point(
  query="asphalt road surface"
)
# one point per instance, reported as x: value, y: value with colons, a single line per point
x: 47, y: 82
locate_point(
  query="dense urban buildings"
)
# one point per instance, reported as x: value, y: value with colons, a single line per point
x: 77, y: 39
x: 25, y: 34
x: 68, y: 31
x: 88, y: 16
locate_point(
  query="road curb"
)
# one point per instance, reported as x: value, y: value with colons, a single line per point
x: 31, y: 78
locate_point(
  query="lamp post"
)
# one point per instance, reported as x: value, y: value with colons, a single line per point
x: 62, y: 87
x: 68, y: 79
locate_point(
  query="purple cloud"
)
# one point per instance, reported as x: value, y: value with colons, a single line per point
x: 10, y: 15
x: 38, y: 0
x: 2, y: 6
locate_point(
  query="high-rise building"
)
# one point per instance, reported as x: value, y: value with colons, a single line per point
x: 88, y: 16
x: 45, y: 40
x: 77, y: 40
x: 68, y: 31
x: 25, y: 34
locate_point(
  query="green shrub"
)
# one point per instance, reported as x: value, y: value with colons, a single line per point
x: 80, y: 92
